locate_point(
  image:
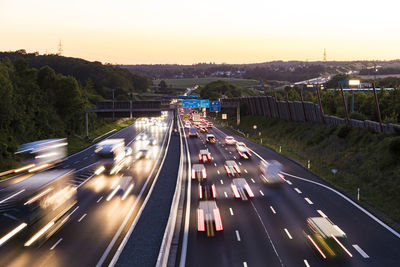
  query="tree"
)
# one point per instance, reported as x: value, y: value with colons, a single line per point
x: 163, y: 85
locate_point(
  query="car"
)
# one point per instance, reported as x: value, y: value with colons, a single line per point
x: 210, y: 125
x: 143, y: 153
x: 207, y: 191
x: 199, y: 171
x: 210, y: 138
x: 203, y: 130
x: 187, y: 124
x: 326, y: 238
x: 271, y: 172
x: 241, y: 189
x: 142, y: 137
x: 204, y: 156
x: 152, y: 141
x: 209, y: 218
x: 193, y: 132
x: 232, y: 169
x: 243, y: 150
x: 229, y: 140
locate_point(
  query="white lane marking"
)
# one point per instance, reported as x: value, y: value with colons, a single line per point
x: 81, y: 218
x: 322, y: 214
x: 237, y: 235
x: 308, y: 200
x: 99, y: 199
x: 73, y: 211
x: 231, y: 211
x: 289, y: 182
x: 226, y: 195
x: 76, y: 162
x: 261, y: 192
x: 273, y: 210
x: 67, y: 166
x: 7, y: 198
x: 345, y: 198
x: 240, y: 163
x: 222, y: 182
x: 362, y: 252
x: 288, y: 234
x: 244, y: 264
x: 297, y: 190
x: 85, y: 158
x: 230, y: 152
x: 253, y: 181
x: 234, y: 157
x: 306, y: 263
x: 218, y: 172
x: 215, y: 164
x: 55, y: 245
x: 246, y: 171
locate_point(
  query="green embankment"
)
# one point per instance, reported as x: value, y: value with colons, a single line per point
x: 365, y: 160
x: 190, y: 82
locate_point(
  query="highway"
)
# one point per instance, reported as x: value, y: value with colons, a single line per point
x: 267, y: 230
x: 100, y: 219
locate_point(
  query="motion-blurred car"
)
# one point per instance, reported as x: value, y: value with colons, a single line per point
x: 241, y: 189
x: 193, y: 132
x: 143, y: 153
x: 243, y: 150
x: 207, y: 191
x: 209, y: 218
x: 152, y: 141
x: 187, y: 124
x: 210, y: 125
x: 229, y: 140
x: 271, y: 172
x: 231, y: 167
x: 142, y: 137
x: 203, y: 130
x: 204, y: 156
x: 199, y: 171
x: 326, y: 238
x: 210, y: 138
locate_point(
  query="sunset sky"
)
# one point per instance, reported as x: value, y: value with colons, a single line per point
x: 186, y: 31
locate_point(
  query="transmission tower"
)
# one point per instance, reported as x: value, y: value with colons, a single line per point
x: 325, y: 55
x: 60, y: 49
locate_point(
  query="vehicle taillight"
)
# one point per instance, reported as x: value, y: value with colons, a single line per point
x: 235, y: 191
x: 200, y: 220
x: 214, y: 193
x: 200, y: 157
x: 209, y: 156
x: 247, y: 187
x: 227, y: 170
x: 200, y: 192
x: 193, y: 174
x: 204, y: 173
x: 316, y: 246
x: 341, y: 245
x: 217, y: 219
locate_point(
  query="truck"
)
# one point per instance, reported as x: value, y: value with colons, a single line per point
x: 35, y: 208
x: 42, y: 154
x: 110, y: 153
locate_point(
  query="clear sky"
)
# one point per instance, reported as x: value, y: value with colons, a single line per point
x: 188, y: 31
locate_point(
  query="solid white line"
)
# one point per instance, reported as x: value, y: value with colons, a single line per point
x: 246, y: 171
x: 237, y: 235
x: 58, y: 242
x: 81, y: 218
x: 244, y: 264
x: 226, y: 195
x: 222, y: 182
x: 297, y: 190
x: 349, y: 200
x: 273, y: 210
x: 308, y: 200
x: 362, y: 252
x: 261, y: 192
x: 73, y: 211
x: 99, y: 199
x: 289, y: 182
x: 306, y: 263
x: 322, y: 214
x: 7, y: 198
x: 218, y: 172
x: 288, y: 234
x: 231, y: 211
x: 253, y: 180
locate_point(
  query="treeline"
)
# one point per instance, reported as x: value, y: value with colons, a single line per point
x: 38, y: 104
x: 380, y: 71
x: 220, y: 89
x: 103, y: 78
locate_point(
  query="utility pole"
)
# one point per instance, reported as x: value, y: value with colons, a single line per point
x: 60, y: 49
x: 344, y: 104
x: 378, y: 111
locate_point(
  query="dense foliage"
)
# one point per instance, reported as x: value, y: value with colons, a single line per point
x: 103, y: 78
x: 39, y: 103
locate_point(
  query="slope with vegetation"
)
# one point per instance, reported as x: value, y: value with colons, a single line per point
x: 219, y: 89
